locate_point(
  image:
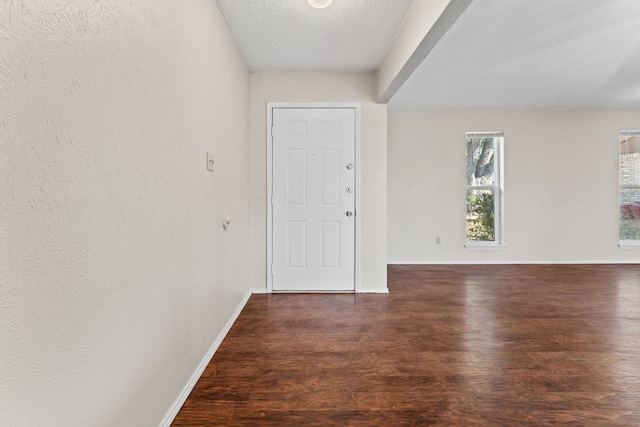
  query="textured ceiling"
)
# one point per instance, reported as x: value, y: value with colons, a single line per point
x: 290, y: 35
x: 499, y: 54
x: 524, y: 54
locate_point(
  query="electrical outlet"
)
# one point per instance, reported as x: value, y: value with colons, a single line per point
x: 210, y: 162
x: 437, y: 240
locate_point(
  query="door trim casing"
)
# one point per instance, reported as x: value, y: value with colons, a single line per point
x: 301, y: 105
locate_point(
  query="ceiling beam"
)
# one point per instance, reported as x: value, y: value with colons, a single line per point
x: 440, y: 24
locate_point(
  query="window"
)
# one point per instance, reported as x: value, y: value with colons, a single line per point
x: 484, y: 188
x: 629, y: 193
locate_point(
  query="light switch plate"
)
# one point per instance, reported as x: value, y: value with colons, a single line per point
x: 210, y: 161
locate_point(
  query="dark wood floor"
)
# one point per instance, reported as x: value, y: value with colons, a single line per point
x: 449, y: 346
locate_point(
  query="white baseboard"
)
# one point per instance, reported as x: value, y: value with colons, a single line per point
x: 373, y: 291
x: 175, y: 408
x: 177, y: 405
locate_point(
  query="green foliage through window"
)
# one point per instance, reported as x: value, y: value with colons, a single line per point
x: 481, y: 216
x: 484, y: 194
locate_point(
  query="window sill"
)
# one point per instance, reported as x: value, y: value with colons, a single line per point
x: 484, y: 246
x: 626, y: 246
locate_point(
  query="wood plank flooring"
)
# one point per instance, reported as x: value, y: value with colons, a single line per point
x: 534, y: 345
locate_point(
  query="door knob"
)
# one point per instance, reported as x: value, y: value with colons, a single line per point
x: 349, y: 213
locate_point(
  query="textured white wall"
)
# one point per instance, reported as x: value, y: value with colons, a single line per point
x: 115, y: 274
x: 561, y: 177
x: 326, y: 87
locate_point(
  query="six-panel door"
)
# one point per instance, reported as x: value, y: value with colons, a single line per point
x: 313, y: 216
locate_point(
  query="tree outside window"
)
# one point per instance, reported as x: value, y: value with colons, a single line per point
x: 483, y: 187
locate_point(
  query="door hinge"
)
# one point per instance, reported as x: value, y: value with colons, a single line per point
x: 271, y: 131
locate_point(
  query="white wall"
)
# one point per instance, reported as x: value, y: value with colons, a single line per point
x: 326, y: 87
x: 115, y: 274
x: 561, y: 176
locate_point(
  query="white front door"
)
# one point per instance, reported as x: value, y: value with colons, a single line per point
x: 313, y: 200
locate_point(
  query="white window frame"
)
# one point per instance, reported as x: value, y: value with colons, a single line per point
x: 497, y: 188
x: 626, y: 244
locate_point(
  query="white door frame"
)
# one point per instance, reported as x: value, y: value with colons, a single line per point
x: 270, y: 106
